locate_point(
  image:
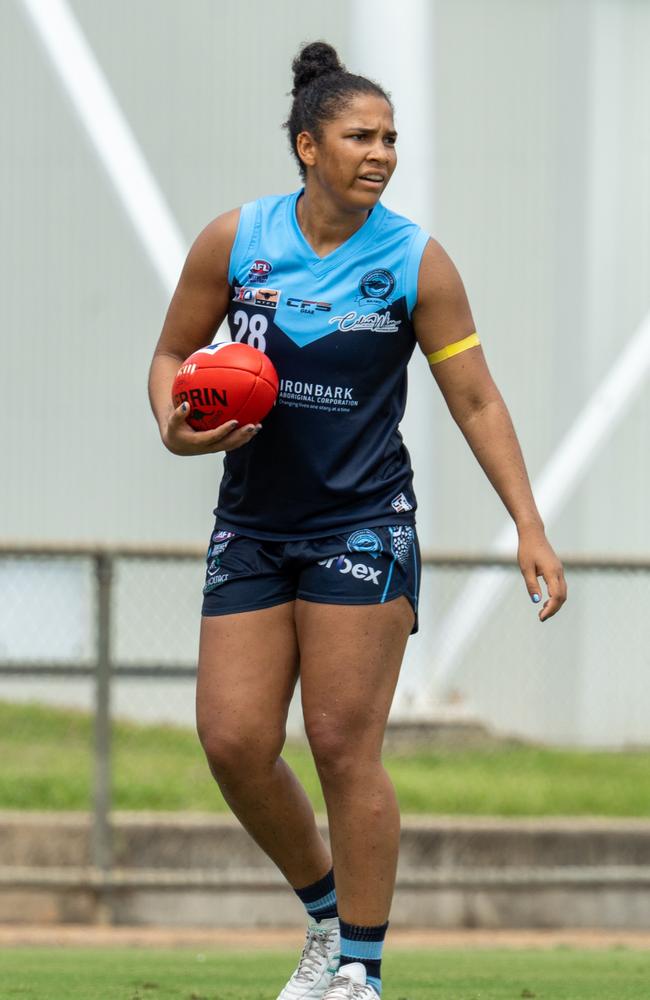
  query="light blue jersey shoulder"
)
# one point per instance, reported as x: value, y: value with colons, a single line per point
x: 388, y: 245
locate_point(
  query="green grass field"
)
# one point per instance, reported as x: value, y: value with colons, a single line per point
x: 47, y: 762
x: 111, y: 974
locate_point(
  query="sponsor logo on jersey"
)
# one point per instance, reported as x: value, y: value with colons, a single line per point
x: 401, y: 542
x: 309, y: 306
x: 377, y: 286
x: 365, y: 540
x: 314, y: 390
x: 259, y: 271
x: 370, y: 323
x: 400, y: 504
x: 360, y: 571
x: 268, y: 298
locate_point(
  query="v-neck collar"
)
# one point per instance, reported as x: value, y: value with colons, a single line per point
x: 321, y: 265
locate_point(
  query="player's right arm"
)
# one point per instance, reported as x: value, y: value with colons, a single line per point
x: 195, y: 312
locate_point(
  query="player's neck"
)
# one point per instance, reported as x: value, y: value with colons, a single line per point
x: 324, y: 224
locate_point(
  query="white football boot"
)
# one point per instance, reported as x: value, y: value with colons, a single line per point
x: 318, y: 963
x: 349, y: 983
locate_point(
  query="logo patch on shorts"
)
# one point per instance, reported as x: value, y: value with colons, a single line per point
x: 214, y: 578
x: 220, y: 542
x: 365, y: 540
x: 401, y: 542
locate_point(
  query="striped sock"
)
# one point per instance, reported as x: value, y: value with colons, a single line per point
x: 320, y: 898
x: 364, y: 944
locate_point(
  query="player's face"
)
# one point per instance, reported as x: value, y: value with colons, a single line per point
x: 356, y: 156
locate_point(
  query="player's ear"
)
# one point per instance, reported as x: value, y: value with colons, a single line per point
x: 306, y: 148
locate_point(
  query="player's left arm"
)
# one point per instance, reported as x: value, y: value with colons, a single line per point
x: 444, y: 329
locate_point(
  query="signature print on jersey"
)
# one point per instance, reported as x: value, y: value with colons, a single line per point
x: 370, y: 323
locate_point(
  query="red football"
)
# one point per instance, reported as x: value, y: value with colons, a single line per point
x: 224, y: 382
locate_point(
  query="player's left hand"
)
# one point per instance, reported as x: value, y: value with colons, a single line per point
x: 536, y: 558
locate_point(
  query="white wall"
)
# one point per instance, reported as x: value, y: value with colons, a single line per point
x: 539, y: 132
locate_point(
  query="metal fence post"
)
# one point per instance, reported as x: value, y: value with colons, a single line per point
x: 102, y: 854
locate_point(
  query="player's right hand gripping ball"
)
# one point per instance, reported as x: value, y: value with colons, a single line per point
x: 224, y: 382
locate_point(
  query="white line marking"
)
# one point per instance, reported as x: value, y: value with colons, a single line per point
x: 111, y: 135
x: 557, y: 481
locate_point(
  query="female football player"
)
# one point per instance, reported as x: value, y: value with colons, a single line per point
x: 313, y: 564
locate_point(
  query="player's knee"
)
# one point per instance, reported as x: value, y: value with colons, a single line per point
x: 339, y: 751
x: 232, y: 753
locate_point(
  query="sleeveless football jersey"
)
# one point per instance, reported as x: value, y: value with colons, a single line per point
x: 338, y: 330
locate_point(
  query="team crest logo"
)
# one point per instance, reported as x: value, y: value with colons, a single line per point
x: 260, y: 271
x: 377, y: 286
x: 365, y: 540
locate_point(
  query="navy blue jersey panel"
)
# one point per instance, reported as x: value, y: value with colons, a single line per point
x: 339, y: 332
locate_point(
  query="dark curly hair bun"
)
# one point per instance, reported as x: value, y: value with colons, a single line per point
x: 322, y: 89
x: 316, y: 59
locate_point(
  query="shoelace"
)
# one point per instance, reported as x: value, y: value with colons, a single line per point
x: 314, y: 950
x: 339, y: 983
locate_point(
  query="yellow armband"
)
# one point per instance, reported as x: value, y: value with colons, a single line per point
x: 457, y: 348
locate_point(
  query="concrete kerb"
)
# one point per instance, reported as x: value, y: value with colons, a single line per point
x: 205, y: 871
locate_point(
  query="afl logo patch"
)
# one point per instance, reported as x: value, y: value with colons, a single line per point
x: 377, y: 285
x: 260, y: 270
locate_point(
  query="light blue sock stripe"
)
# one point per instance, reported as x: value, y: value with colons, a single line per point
x: 361, y: 949
x: 320, y: 904
x: 390, y: 573
x: 375, y: 983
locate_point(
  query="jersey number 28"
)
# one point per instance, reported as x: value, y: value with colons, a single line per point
x: 251, y: 329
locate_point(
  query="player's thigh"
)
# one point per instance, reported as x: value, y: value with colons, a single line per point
x: 248, y: 668
x: 350, y: 658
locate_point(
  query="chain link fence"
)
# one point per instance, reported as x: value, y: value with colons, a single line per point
x: 115, y: 631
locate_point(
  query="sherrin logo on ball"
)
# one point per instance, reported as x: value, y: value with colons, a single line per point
x: 222, y: 382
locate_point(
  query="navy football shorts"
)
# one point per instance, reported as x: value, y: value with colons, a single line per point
x: 362, y: 566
